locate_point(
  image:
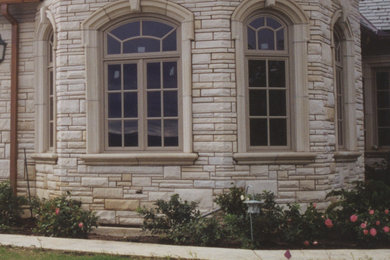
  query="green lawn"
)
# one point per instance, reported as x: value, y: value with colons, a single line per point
x: 11, y: 253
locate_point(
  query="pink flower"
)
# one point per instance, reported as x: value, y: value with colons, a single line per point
x: 386, y: 229
x: 365, y: 232
x: 287, y: 254
x: 386, y: 211
x: 315, y: 243
x: 373, y: 232
x: 314, y: 205
x: 328, y: 223
x: 377, y: 223
x: 353, y: 218
x: 81, y: 225
x: 371, y: 212
x: 306, y: 243
x: 363, y: 225
x: 57, y: 211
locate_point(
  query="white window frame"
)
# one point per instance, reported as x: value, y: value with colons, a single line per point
x: 297, y: 22
x: 93, y: 28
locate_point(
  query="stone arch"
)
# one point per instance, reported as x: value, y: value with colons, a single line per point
x: 286, y: 7
x: 343, y: 23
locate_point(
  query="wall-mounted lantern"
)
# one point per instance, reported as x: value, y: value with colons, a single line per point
x: 3, y: 44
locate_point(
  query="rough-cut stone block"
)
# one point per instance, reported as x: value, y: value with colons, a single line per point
x: 172, y: 172
x: 202, y: 196
x: 306, y: 196
x: 307, y: 185
x: 257, y: 187
x: 4, y: 168
x: 121, y: 204
x: 142, y: 181
x: 259, y: 170
x: 94, y: 181
x: 108, y: 193
x: 106, y: 217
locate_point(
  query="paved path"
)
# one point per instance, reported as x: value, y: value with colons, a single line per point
x: 184, y: 252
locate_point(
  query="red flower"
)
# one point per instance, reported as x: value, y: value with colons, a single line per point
x: 365, y: 232
x: 287, y: 254
x: 81, y: 225
x: 373, y: 232
x: 386, y: 211
x: 306, y: 243
x: 377, y: 223
x: 386, y: 229
x: 371, y: 212
x: 353, y: 218
x: 57, y: 211
x: 363, y: 225
x: 328, y: 223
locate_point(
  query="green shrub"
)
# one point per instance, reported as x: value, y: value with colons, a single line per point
x: 10, y: 206
x: 232, y: 202
x: 181, y: 222
x: 63, y: 217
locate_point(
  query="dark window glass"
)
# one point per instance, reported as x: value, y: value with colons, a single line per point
x: 258, y: 132
x: 169, y: 43
x: 170, y: 75
x: 51, y: 108
x: 114, y: 105
x: 276, y: 74
x: 153, y: 75
x: 170, y: 103
x: 383, y: 99
x: 383, y: 117
x: 141, y: 45
x: 278, y: 132
x: 273, y: 23
x: 171, y: 133
x: 152, y: 28
x: 266, y: 39
x: 114, y: 133
x: 131, y: 133
x: 154, y: 133
x: 257, y: 102
x: 251, y: 39
x: 280, y: 39
x: 154, y: 104
x: 257, y: 73
x: 384, y: 136
x: 127, y: 30
x: 257, y: 23
x: 130, y: 104
x: 51, y: 135
x: 113, y: 46
x: 130, y: 76
x: 277, y: 103
x: 51, y: 82
x: 382, y: 80
x: 114, y: 77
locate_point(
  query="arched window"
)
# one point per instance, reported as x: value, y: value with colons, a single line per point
x: 141, y: 85
x: 339, y: 88
x: 51, y: 94
x: 267, y: 59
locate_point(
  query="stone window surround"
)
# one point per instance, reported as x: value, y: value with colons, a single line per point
x: 298, y: 36
x: 349, y: 152
x: 92, y: 37
x: 370, y: 65
x: 45, y: 27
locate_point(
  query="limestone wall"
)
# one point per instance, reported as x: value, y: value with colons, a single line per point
x: 116, y: 191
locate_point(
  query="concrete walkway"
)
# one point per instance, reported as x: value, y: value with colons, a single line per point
x: 183, y: 252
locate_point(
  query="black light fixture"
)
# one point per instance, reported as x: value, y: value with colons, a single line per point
x: 3, y: 44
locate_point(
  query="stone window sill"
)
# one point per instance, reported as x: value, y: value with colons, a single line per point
x: 45, y: 158
x: 346, y: 156
x: 275, y: 157
x: 140, y: 158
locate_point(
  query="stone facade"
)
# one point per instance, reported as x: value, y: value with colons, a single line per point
x: 114, y: 189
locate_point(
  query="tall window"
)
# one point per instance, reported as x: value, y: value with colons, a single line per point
x: 267, y: 83
x: 51, y: 107
x: 339, y: 88
x: 141, y: 86
x: 382, y: 84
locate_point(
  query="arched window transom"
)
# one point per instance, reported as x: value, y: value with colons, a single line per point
x: 266, y: 33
